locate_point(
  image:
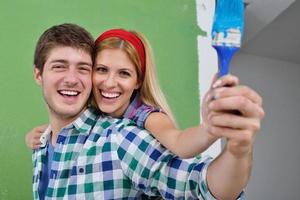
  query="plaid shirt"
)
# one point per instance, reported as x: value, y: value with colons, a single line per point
x: 108, y: 158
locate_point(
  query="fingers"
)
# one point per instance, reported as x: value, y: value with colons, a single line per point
x: 33, y: 142
x: 219, y: 114
x: 238, y: 91
x: 225, y: 81
x: 32, y: 138
x: 215, y: 78
x: 239, y: 142
x: 237, y: 98
x: 232, y: 121
x: 236, y: 129
x: 239, y: 136
x: 36, y: 145
x: 224, y: 86
x: 241, y: 103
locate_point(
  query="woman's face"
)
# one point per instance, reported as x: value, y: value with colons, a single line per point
x: 114, y: 80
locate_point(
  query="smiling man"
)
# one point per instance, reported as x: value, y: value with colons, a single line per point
x: 66, y: 81
x: 62, y: 68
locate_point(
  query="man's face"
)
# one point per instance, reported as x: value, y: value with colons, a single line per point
x: 66, y: 82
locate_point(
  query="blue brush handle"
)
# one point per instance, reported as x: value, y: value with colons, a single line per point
x: 225, y: 54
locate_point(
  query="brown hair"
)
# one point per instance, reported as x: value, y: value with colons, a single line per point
x: 70, y: 35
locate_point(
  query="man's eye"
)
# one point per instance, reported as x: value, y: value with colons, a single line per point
x: 58, y: 67
x: 85, y: 68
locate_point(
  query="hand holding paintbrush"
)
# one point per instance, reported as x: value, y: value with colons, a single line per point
x: 227, y: 33
x: 238, y: 130
x: 230, y: 110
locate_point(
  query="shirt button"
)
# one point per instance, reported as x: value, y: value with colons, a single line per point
x: 81, y: 170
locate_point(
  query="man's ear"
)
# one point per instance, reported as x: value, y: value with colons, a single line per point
x: 37, y: 75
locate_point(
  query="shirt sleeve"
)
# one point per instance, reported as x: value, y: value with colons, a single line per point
x: 138, y: 111
x: 156, y: 171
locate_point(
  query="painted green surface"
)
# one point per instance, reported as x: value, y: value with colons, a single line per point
x: 170, y: 26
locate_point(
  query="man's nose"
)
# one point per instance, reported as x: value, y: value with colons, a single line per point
x: 71, y: 77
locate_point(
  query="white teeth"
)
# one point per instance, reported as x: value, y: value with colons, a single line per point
x: 69, y: 92
x: 110, y: 95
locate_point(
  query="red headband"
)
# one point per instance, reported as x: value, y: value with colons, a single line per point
x: 128, y: 36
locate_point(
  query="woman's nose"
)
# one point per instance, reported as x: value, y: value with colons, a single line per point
x: 110, y: 80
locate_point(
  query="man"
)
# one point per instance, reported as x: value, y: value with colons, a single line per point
x: 63, y: 68
x: 90, y: 156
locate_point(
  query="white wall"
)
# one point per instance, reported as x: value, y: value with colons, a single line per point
x: 276, y: 173
x: 207, y: 58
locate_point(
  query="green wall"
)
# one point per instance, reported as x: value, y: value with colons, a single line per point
x: 170, y: 26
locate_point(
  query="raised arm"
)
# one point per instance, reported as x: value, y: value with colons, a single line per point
x: 191, y: 141
x: 234, y: 113
x: 184, y: 143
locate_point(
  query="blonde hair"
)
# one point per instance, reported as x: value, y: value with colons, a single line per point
x: 150, y: 91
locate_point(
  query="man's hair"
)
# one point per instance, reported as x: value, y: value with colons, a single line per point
x: 70, y: 35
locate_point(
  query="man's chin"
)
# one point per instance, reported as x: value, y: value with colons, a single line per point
x: 68, y: 111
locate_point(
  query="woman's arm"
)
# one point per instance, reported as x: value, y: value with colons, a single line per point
x: 186, y: 144
x: 32, y: 138
x: 191, y: 141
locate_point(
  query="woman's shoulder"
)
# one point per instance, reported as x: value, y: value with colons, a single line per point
x: 138, y: 111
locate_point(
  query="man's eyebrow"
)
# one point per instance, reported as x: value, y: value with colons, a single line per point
x: 65, y: 61
x: 59, y: 60
x: 85, y: 63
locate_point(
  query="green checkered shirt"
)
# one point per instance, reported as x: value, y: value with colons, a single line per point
x: 106, y: 158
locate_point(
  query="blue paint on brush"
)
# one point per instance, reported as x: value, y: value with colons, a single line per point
x: 227, y: 31
x: 225, y: 53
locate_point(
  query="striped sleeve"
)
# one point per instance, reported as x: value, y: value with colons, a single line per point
x: 138, y: 111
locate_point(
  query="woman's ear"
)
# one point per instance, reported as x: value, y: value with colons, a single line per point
x: 138, y: 85
x: 37, y: 75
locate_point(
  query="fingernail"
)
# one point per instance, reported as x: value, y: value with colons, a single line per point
x: 218, y: 83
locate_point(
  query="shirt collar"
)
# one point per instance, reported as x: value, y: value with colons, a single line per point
x: 85, y: 122
x: 82, y: 124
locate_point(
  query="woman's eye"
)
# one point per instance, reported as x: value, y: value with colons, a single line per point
x: 125, y: 73
x: 101, y: 69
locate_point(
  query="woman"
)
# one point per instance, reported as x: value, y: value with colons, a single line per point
x: 125, y: 85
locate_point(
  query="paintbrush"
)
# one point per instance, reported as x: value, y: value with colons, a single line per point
x: 227, y: 31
